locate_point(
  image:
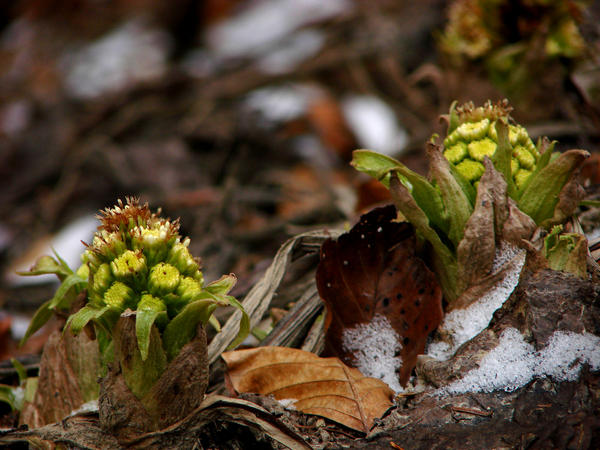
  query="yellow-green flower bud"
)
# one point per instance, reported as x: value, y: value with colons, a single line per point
x: 475, y: 129
x: 119, y: 296
x: 154, y: 242
x: 456, y: 153
x: 189, y: 289
x: 521, y: 177
x: 130, y: 267
x: 180, y: 257
x: 101, y: 279
x: 471, y: 170
x: 479, y: 149
x: 163, y: 279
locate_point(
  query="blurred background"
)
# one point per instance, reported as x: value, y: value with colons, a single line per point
x: 240, y: 116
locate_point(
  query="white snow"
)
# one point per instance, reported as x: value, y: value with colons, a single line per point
x: 67, y: 243
x: 91, y: 406
x: 464, y: 324
x: 131, y: 53
x: 374, y: 124
x: 281, y: 103
x: 514, y: 362
x: 374, y: 345
x: 291, y: 51
x: 259, y: 28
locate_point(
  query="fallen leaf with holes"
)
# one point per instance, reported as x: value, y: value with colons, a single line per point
x: 371, y: 279
x: 311, y: 384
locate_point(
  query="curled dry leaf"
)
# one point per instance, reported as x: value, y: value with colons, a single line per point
x: 373, y: 271
x: 321, y: 386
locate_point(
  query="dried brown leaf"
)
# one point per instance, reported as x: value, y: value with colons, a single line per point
x: 321, y: 386
x: 374, y: 270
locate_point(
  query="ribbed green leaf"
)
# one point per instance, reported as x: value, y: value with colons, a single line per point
x: 221, y: 286
x: 82, y: 317
x: 244, y: 323
x: 425, y: 195
x: 541, y: 164
x: 144, y: 320
x: 41, y: 316
x: 182, y: 328
x: 446, y: 265
x: 503, y: 155
x: 541, y: 195
x: 457, y: 204
x: 46, y: 265
x: 58, y: 301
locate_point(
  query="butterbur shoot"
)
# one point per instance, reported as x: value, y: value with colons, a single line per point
x: 488, y: 183
x: 138, y: 264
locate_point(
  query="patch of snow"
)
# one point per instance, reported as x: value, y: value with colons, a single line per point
x: 19, y: 325
x: 514, y: 362
x: 18, y: 395
x: 291, y: 52
x: 67, y: 243
x: 281, y: 103
x: 374, y: 124
x: 375, y: 345
x: 465, y: 324
x: 263, y: 25
x: 129, y: 54
x: 91, y: 406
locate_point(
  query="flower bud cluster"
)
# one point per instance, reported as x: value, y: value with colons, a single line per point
x: 476, y: 137
x: 138, y: 260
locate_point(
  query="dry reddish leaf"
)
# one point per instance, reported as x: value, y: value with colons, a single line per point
x: 373, y: 270
x: 321, y: 386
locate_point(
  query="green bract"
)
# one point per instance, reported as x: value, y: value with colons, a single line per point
x: 489, y: 183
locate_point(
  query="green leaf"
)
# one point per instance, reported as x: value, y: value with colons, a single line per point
x: 425, y: 195
x: 541, y: 164
x: 47, y: 265
x: 215, y: 323
x: 453, y: 120
x: 465, y: 185
x: 63, y: 263
x: 503, y: 155
x: 58, y: 301
x: 457, y: 204
x: 41, y: 316
x: 221, y: 286
x: 20, y: 368
x: 11, y: 395
x: 446, y: 261
x: 82, y: 317
x: 540, y: 197
x: 144, y: 320
x: 182, y: 327
x: 244, y: 323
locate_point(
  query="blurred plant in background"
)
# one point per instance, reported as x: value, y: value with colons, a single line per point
x: 517, y: 41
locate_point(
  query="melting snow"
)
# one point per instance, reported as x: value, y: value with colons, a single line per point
x: 280, y: 104
x: 67, y: 243
x: 259, y: 28
x: 374, y: 346
x: 374, y: 124
x: 514, y: 362
x: 464, y: 324
x: 291, y: 51
x: 129, y: 54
